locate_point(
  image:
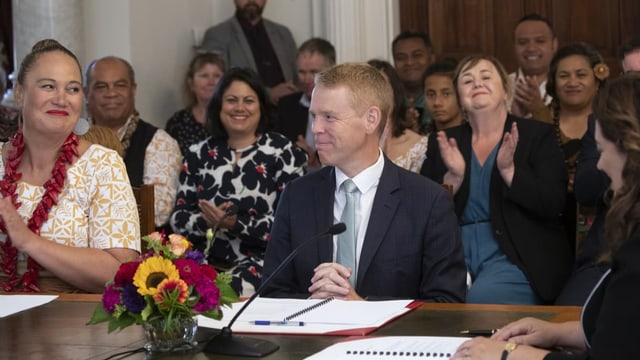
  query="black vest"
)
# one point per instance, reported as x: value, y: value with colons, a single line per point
x: 134, y: 157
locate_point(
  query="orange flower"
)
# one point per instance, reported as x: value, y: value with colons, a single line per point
x: 179, y: 244
x: 601, y: 71
x: 171, y: 291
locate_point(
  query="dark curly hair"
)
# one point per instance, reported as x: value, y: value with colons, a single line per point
x: 579, y: 48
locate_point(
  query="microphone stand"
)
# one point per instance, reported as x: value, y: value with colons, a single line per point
x: 226, y: 344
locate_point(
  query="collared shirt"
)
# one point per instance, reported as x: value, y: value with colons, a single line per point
x: 308, y: 137
x: 367, y: 182
x: 267, y: 62
x: 162, y: 165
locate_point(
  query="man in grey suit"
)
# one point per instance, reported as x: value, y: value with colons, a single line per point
x: 402, y: 238
x: 249, y: 40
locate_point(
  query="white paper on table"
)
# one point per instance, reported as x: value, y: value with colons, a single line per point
x: 336, y: 315
x: 11, y: 304
x: 392, y: 347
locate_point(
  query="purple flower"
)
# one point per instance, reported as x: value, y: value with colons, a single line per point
x: 111, y: 298
x: 209, y: 296
x: 134, y: 302
x: 196, y: 256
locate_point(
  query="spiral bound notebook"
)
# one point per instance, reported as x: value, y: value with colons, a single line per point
x: 392, y: 347
x: 307, y: 309
x: 329, y: 316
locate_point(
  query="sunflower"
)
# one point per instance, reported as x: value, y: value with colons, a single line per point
x: 151, y: 272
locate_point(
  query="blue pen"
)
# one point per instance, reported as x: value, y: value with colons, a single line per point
x: 277, y: 323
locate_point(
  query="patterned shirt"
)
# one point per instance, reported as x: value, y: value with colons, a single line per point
x: 96, y: 207
x: 254, y: 182
x: 414, y: 158
x: 185, y: 129
x: 162, y: 162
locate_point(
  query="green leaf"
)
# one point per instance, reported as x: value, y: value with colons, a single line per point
x: 100, y: 315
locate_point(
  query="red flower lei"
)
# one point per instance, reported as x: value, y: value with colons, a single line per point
x: 53, y: 187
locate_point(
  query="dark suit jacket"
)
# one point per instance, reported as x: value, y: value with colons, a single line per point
x: 611, y: 317
x: 411, y: 250
x: 228, y: 40
x: 526, y: 217
x: 292, y: 117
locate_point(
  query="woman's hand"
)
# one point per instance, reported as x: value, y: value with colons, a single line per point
x: 215, y: 214
x: 490, y: 349
x: 453, y: 160
x: 529, y: 331
x: 504, y: 160
x: 16, y: 228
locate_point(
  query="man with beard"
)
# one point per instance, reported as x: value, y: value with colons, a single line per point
x: 248, y: 40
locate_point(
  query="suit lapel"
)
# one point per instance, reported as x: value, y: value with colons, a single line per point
x: 384, y: 208
x: 238, y: 37
x: 324, y: 197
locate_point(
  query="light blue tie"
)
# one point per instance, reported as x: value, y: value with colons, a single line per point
x: 347, y: 240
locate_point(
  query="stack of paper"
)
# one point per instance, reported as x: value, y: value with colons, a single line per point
x: 336, y: 317
x: 392, y: 347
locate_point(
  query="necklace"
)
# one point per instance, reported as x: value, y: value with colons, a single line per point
x: 8, y: 188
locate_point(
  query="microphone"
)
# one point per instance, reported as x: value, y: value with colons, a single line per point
x: 231, y: 210
x: 226, y: 344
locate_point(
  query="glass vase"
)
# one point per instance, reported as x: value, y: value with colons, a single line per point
x: 175, y: 335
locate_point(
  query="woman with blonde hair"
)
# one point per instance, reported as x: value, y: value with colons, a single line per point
x: 187, y: 125
x: 509, y: 183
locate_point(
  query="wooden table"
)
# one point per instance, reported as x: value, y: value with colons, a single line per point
x: 57, y: 330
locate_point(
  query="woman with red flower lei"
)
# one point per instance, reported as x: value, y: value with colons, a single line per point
x: 243, y: 164
x: 68, y: 217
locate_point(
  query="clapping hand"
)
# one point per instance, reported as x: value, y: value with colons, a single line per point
x: 453, y: 160
x: 527, y: 96
x: 504, y: 161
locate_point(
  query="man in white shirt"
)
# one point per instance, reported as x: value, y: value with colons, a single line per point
x: 151, y: 155
x: 535, y: 44
x: 402, y: 238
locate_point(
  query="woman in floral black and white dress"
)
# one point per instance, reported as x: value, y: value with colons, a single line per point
x: 240, y: 164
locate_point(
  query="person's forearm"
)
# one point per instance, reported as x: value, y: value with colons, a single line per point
x: 86, y: 268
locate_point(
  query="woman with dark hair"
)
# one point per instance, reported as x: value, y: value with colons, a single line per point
x: 68, y: 217
x: 240, y: 164
x: 576, y: 73
x: 607, y: 328
x: 400, y: 142
x: 187, y: 125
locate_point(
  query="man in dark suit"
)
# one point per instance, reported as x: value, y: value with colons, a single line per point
x: 294, y: 121
x: 403, y: 233
x: 248, y: 40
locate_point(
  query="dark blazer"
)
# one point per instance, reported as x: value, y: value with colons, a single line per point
x: 412, y: 248
x: 610, y: 317
x: 293, y: 117
x: 526, y: 217
x: 228, y: 40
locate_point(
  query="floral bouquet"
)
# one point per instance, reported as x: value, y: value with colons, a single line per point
x: 163, y: 290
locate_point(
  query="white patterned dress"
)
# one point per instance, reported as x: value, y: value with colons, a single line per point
x: 96, y: 209
x: 414, y: 158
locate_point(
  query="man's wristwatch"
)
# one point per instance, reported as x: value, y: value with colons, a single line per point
x: 508, y: 348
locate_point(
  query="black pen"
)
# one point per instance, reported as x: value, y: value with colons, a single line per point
x: 479, y: 332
